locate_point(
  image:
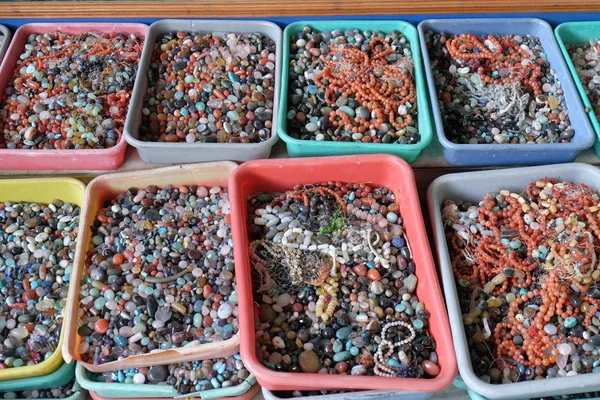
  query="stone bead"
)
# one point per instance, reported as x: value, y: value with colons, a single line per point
x: 309, y: 362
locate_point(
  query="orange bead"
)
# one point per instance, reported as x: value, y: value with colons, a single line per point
x: 373, y: 275
x: 118, y: 259
x: 101, y: 326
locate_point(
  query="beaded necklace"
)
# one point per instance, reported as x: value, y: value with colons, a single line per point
x: 542, y: 242
x: 493, y: 55
x: 383, y: 88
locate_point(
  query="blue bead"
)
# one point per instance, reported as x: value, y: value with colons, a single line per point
x: 312, y: 89
x: 570, y: 322
x: 515, y: 244
x: 222, y: 368
x: 121, y: 341
x: 233, y: 77
x: 392, y: 362
x: 338, y: 346
x: 352, y: 196
x: 343, y: 356
x: 398, y: 242
x: 348, y: 345
x: 343, y: 333
x: 392, y: 217
x: 348, y: 111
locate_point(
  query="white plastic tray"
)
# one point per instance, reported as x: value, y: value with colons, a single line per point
x: 362, y: 395
x: 4, y: 31
x: 473, y: 186
x: 170, y: 153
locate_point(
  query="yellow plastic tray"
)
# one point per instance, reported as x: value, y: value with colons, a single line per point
x: 41, y: 191
x: 107, y: 187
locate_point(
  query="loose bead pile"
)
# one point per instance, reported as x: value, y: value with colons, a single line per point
x: 37, y: 246
x: 56, y: 393
x: 336, y: 283
x: 352, y: 86
x: 498, y: 89
x: 210, y: 89
x: 70, y: 91
x: 528, y: 275
x: 185, y: 377
x: 585, y: 58
x: 160, y: 273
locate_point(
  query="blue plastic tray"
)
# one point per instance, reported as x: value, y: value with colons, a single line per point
x: 510, y: 154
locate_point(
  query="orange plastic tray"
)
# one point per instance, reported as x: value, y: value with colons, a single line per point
x: 246, y: 396
x: 85, y: 159
x: 107, y: 187
x: 380, y: 170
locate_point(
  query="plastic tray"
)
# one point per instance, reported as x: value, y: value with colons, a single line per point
x: 574, y: 33
x: 510, y: 154
x: 382, y: 170
x: 60, y: 377
x: 85, y: 159
x: 304, y: 148
x: 113, y: 390
x: 473, y: 186
x: 106, y: 187
x: 364, y: 395
x: 6, y: 42
x: 163, y: 153
x: 249, y: 395
x: 43, y: 191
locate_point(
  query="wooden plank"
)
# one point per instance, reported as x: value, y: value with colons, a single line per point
x: 277, y: 8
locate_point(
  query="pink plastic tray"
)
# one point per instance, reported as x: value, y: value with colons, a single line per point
x: 381, y: 170
x: 89, y: 159
x: 246, y: 396
x: 106, y: 187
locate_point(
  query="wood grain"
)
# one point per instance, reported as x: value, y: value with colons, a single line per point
x: 277, y: 8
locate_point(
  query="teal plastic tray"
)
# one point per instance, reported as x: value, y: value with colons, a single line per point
x: 308, y: 148
x: 60, y: 377
x: 574, y: 33
x: 130, y: 390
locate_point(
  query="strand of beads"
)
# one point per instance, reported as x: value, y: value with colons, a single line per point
x: 333, y: 266
x: 352, y: 85
x: 386, y: 348
x: 497, y: 89
x: 528, y: 263
x: 506, y: 54
x: 349, y: 71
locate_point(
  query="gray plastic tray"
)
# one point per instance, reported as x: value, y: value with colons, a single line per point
x: 473, y: 186
x: 362, y: 395
x: 168, y: 153
x: 4, y: 31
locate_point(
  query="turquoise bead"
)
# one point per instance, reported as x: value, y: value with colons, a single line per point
x: 342, y: 356
x: 197, y: 320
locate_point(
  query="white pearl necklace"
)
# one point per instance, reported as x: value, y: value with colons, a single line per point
x: 387, y: 348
